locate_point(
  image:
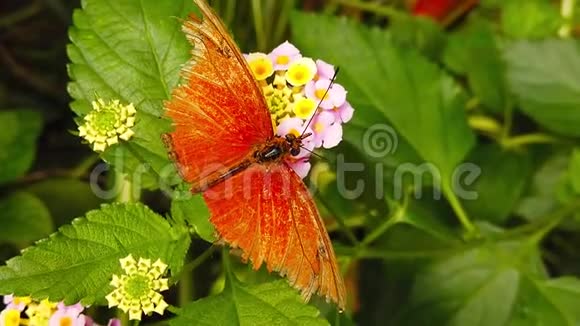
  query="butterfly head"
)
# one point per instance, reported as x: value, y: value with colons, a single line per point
x: 295, y: 142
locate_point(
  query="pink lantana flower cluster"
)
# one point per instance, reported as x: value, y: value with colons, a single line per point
x: 25, y: 311
x: 298, y: 89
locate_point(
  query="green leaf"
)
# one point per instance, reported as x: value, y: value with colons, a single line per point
x: 130, y: 50
x: 422, y: 231
x: 545, y: 76
x: 273, y: 303
x: 420, y: 33
x: 540, y: 199
x: 474, y: 52
x: 425, y: 215
x: 476, y: 287
x: 77, y: 262
x: 491, y: 4
x: 530, y: 18
x: 548, y: 302
x: 193, y: 210
x: 18, y: 142
x: 24, y: 218
x: 424, y: 104
x: 501, y: 183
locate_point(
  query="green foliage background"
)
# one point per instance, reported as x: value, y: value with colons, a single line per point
x: 498, y: 89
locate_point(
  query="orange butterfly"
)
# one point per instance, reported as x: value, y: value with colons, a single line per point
x: 224, y: 146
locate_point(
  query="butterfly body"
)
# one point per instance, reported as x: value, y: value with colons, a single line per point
x: 225, y: 147
x: 279, y: 148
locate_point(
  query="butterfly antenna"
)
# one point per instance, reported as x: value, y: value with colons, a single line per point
x: 322, y: 99
x: 317, y: 155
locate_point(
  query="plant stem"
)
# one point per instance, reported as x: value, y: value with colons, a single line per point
x: 123, y: 317
x: 540, y: 227
x: 186, y: 291
x: 27, y: 75
x: 395, y: 218
x: 539, y: 234
x: 259, y: 25
x: 529, y: 139
x: 186, y: 286
x: 464, y: 6
x: 355, y: 221
x: 470, y: 229
x: 128, y: 192
x: 83, y: 167
x: 230, y: 12
x: 21, y: 14
x: 347, y: 231
x: 282, y: 21
x: 369, y: 253
x: 125, y: 188
x: 508, y: 117
x: 268, y: 11
x: 567, y: 11
x: 192, y: 265
x: 60, y: 9
x: 229, y: 273
x: 372, y: 7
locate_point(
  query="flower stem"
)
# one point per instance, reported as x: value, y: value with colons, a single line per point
x: 529, y: 139
x: 83, y: 167
x: 470, y: 229
x: 125, y: 188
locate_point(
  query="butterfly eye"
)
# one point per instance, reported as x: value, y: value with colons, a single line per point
x: 295, y: 151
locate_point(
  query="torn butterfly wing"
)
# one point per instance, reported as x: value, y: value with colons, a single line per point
x: 268, y: 213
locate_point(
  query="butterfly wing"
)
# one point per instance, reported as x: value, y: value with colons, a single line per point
x: 268, y: 213
x: 219, y: 113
